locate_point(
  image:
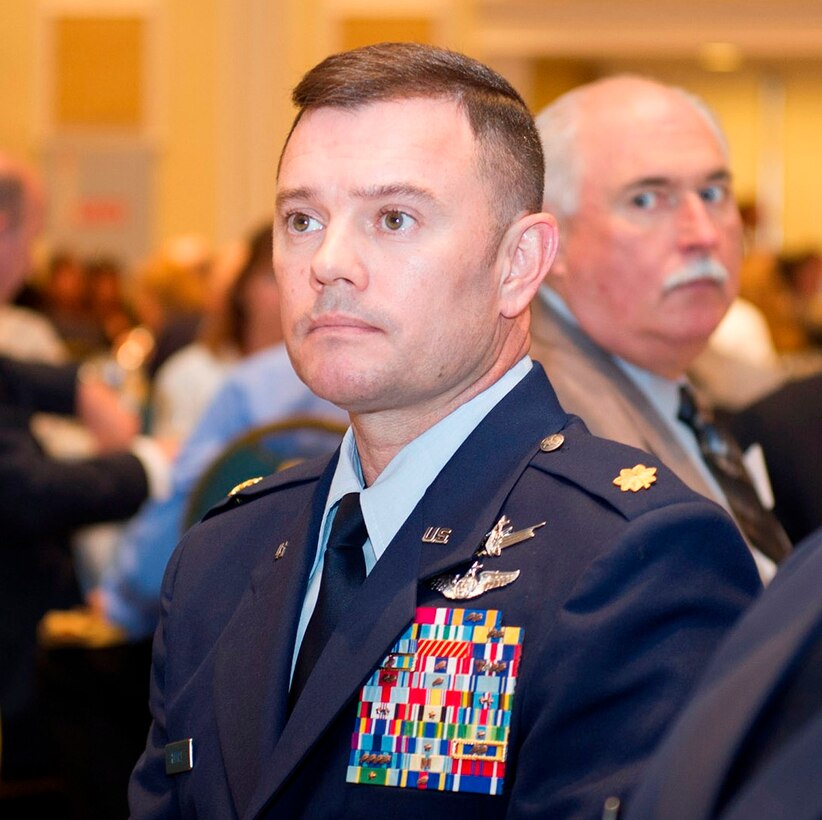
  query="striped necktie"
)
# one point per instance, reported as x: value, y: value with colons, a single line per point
x: 723, y: 458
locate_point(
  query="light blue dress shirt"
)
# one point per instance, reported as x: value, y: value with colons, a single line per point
x: 388, y: 502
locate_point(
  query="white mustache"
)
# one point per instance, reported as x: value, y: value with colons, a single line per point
x: 699, y: 270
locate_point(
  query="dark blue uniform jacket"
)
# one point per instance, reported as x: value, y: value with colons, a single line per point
x: 621, y: 597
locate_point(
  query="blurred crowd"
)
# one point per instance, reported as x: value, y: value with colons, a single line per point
x: 786, y: 287
x: 119, y: 386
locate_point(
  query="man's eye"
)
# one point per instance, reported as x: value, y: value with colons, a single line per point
x: 645, y: 200
x: 396, y: 220
x: 302, y: 223
x: 713, y: 193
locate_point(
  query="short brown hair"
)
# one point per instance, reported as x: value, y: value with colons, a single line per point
x: 509, y: 150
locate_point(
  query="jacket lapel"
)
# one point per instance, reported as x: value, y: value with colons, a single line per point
x: 384, y: 605
x: 252, y: 658
x: 386, y: 602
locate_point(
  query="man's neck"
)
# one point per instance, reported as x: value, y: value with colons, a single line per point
x: 669, y: 361
x: 381, y: 435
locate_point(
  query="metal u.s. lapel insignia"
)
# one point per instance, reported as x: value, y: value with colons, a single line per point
x: 436, y: 535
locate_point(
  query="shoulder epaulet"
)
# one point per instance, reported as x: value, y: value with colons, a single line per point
x: 258, y: 486
x: 629, y: 480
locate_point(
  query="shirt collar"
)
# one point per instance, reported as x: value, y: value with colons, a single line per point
x: 390, y: 499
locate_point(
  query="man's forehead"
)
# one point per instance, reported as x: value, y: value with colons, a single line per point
x: 411, y: 117
x: 378, y: 144
x: 673, y: 149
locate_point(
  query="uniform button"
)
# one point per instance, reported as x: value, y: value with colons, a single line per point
x: 552, y: 442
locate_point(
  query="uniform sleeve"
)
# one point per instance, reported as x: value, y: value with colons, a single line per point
x: 622, y: 656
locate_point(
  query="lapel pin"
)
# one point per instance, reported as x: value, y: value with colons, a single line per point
x: 280, y: 552
x: 503, y: 535
x: 635, y: 478
x: 436, y: 535
x: 473, y: 584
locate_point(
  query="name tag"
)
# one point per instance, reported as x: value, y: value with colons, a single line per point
x: 180, y: 756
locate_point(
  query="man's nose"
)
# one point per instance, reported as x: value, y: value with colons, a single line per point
x: 338, y: 258
x: 696, y: 224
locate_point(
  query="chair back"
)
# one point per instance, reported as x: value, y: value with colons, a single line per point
x: 259, y: 452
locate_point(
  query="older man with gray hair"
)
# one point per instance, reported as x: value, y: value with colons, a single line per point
x: 637, y: 174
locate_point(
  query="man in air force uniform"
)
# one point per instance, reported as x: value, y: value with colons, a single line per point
x: 525, y: 606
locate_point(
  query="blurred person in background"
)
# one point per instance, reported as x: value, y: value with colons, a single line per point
x: 44, y: 499
x: 802, y: 276
x: 67, y: 302
x: 748, y: 744
x: 169, y: 293
x: 637, y: 174
x: 241, y: 316
x: 787, y: 425
x: 24, y: 333
x: 98, y: 694
x: 107, y: 300
x: 740, y: 363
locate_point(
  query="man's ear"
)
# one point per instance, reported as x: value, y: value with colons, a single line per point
x: 526, y: 253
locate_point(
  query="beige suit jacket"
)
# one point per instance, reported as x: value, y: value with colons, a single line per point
x: 591, y: 384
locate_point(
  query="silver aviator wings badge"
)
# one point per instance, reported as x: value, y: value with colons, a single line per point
x: 474, y: 583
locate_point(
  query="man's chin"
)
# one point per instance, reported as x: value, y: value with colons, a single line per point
x: 345, y: 387
x: 704, y: 298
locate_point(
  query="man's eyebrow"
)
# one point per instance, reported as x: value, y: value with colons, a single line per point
x: 290, y: 194
x: 648, y: 182
x: 381, y: 191
x: 402, y: 189
x: 719, y: 175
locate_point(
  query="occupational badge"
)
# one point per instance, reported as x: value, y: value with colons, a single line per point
x: 503, y: 535
x: 473, y: 584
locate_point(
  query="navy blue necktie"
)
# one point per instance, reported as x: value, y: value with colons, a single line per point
x: 723, y: 458
x: 343, y: 572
